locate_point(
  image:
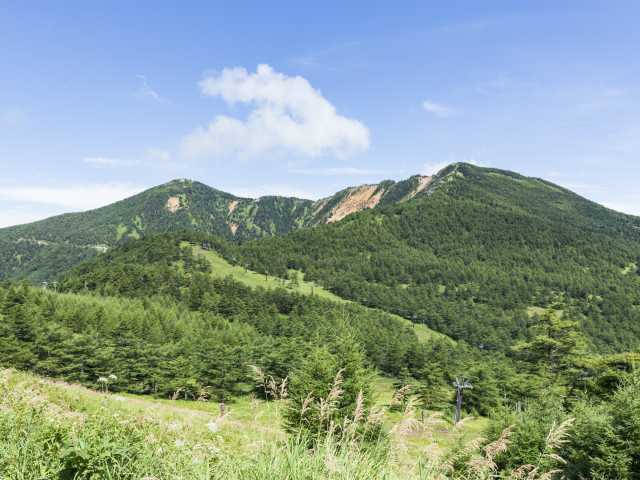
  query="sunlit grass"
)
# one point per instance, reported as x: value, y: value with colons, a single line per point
x: 220, y: 268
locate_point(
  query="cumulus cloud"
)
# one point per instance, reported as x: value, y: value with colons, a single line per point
x: 287, y: 113
x: 438, y: 109
x: 79, y: 197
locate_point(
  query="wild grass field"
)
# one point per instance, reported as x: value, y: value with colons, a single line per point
x: 53, y: 429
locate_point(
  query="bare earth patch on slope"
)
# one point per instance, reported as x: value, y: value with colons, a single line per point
x: 173, y: 204
x: 423, y: 183
x: 356, y: 200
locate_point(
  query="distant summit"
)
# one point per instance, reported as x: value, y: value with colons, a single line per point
x: 43, y: 249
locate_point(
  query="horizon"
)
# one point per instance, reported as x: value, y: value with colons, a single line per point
x: 192, y: 180
x: 94, y: 108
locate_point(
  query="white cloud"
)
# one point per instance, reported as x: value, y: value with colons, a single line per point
x: 79, y: 197
x: 145, y: 91
x: 101, y: 162
x: 269, y: 190
x: 287, y: 114
x: 438, y: 109
x: 157, y: 155
x: 18, y: 217
x: 431, y: 168
x: 337, y: 171
x: 632, y: 207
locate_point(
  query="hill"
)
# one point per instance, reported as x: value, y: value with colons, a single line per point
x: 474, y: 255
x: 187, y: 315
x: 294, y: 282
x: 42, y: 250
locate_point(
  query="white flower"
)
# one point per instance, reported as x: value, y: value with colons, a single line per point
x: 213, y: 426
x: 180, y: 443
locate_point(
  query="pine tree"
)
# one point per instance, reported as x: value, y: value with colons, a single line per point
x: 326, y: 389
x: 556, y: 344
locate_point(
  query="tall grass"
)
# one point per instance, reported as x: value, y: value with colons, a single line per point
x: 43, y: 440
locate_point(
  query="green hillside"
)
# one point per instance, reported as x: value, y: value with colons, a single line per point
x: 43, y: 250
x: 471, y: 258
x: 295, y: 282
x: 303, y: 381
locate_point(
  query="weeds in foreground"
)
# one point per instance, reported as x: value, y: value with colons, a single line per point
x: 41, y: 440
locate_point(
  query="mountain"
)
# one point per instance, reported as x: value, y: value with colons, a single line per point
x: 474, y: 253
x: 42, y: 250
x: 478, y: 258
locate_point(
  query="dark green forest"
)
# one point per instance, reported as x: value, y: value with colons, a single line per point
x: 473, y: 257
x: 536, y: 287
x: 44, y: 250
x: 150, y: 319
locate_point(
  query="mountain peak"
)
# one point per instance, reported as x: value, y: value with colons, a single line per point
x: 185, y: 204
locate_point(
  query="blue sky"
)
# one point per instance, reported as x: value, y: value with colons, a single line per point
x: 99, y: 100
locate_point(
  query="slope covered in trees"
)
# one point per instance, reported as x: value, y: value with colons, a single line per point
x: 150, y: 318
x: 43, y: 250
x: 475, y: 257
x: 160, y: 309
x: 162, y: 322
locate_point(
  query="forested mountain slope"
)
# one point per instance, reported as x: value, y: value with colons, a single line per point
x: 44, y: 249
x: 163, y: 322
x: 475, y: 256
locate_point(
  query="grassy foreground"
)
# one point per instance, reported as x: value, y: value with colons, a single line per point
x: 54, y: 430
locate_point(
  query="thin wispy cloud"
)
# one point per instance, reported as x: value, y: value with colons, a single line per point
x: 603, y: 98
x: 13, y: 117
x: 283, y: 190
x: 502, y: 83
x: 630, y: 206
x: 468, y: 26
x: 287, y: 114
x: 157, y: 155
x: 76, y: 197
x: 106, y: 162
x: 21, y: 216
x: 145, y: 91
x: 337, y: 172
x: 431, y: 168
x: 438, y: 109
x: 319, y: 58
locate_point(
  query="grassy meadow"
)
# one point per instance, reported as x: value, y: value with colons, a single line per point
x: 54, y: 429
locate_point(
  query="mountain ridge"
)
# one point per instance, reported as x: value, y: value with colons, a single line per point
x: 41, y: 250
